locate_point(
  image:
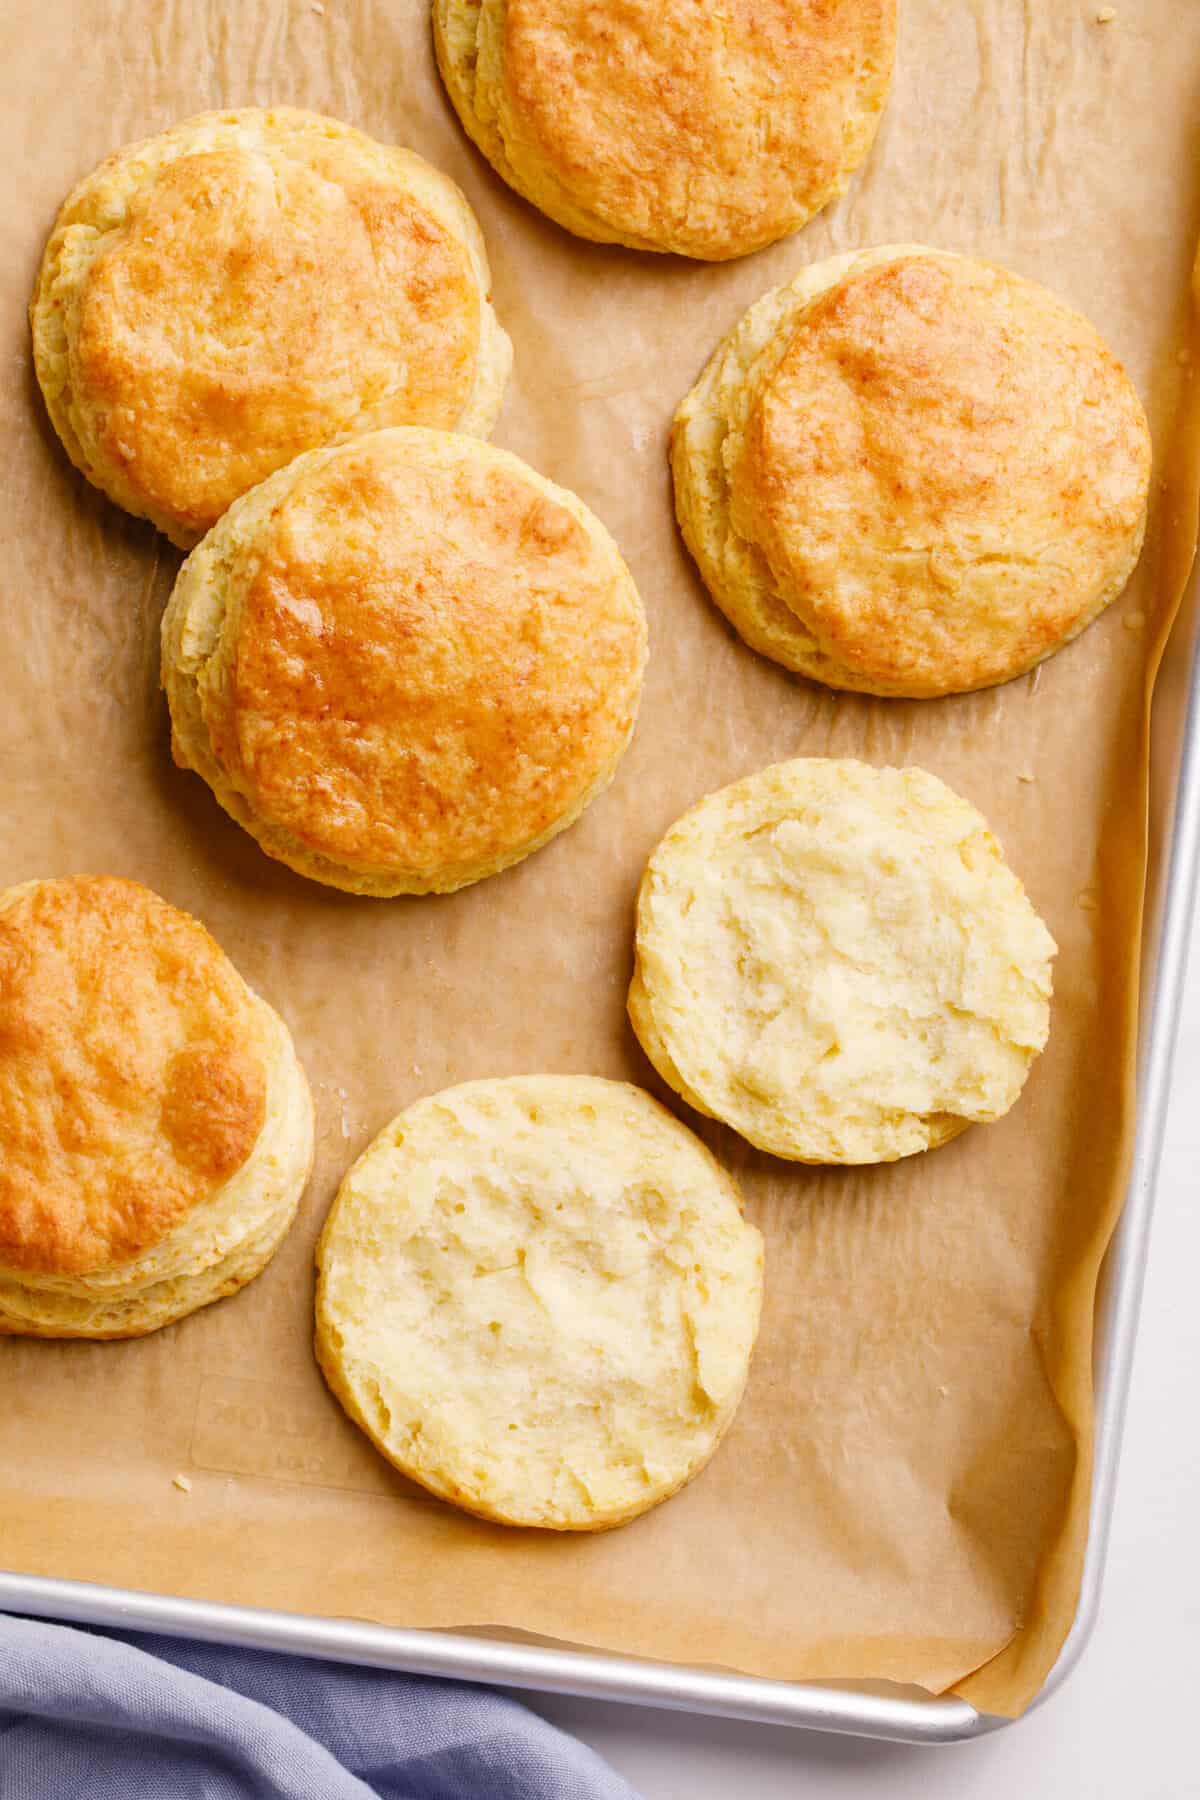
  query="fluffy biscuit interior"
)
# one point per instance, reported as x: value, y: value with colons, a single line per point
x: 539, y: 1298
x: 836, y: 961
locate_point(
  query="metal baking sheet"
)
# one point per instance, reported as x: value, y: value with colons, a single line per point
x: 902, y: 1716
x: 1026, y: 201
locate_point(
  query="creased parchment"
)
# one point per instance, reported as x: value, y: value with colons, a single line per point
x: 904, y: 1493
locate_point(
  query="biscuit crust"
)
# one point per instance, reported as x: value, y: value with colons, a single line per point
x: 404, y: 663
x: 246, y: 286
x: 538, y: 1298
x: 910, y: 473
x: 156, y: 1127
x: 671, y: 125
x: 836, y: 961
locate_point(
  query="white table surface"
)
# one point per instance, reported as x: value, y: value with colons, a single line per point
x: 1126, y: 1725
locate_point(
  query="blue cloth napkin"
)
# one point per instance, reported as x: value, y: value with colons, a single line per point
x: 92, y: 1716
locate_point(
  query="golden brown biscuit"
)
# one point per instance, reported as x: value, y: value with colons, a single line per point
x: 671, y: 124
x: 404, y: 663
x: 538, y: 1297
x: 249, y: 285
x: 156, y: 1128
x: 837, y: 961
x: 911, y: 473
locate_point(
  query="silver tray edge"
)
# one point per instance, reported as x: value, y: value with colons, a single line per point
x: 815, y: 1706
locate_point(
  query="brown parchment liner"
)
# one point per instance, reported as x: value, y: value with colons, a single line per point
x: 903, y: 1495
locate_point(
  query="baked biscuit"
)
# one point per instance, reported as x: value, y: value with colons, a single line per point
x: 910, y: 473
x: 671, y: 124
x: 538, y: 1298
x: 249, y: 285
x: 836, y: 961
x: 405, y: 662
x: 156, y: 1129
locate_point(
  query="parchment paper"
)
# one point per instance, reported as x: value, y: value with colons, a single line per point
x: 904, y: 1493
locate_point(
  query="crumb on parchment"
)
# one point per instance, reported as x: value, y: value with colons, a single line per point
x: 182, y: 1483
x: 1106, y: 15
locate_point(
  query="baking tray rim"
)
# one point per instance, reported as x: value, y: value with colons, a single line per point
x: 846, y: 1709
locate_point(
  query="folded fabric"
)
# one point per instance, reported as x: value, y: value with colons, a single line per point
x: 93, y: 1716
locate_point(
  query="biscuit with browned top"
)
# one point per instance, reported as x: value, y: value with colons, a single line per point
x: 910, y: 473
x: 155, y: 1126
x: 405, y: 662
x: 247, y: 286
x: 671, y: 124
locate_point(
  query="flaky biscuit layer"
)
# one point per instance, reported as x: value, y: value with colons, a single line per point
x: 246, y: 286
x: 909, y: 473
x: 157, y: 1125
x: 405, y: 662
x: 670, y: 125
